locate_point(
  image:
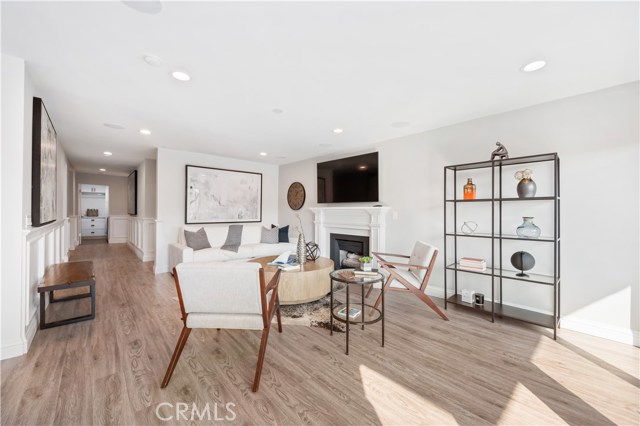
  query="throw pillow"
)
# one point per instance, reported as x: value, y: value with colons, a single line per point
x: 234, y: 238
x: 283, y: 234
x: 197, y: 240
x: 269, y: 236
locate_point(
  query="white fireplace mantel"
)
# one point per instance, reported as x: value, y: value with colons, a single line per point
x: 362, y: 221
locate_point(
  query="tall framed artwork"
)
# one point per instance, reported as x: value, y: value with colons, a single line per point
x: 222, y: 196
x: 132, y: 193
x: 44, y: 167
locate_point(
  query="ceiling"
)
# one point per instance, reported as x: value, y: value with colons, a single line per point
x: 359, y: 66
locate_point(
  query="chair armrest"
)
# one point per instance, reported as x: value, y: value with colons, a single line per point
x: 384, y: 263
x: 274, y: 282
x: 390, y: 254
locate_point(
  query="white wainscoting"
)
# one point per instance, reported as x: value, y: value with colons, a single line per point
x: 142, y: 238
x: 119, y: 229
x: 41, y: 247
x: 74, y: 231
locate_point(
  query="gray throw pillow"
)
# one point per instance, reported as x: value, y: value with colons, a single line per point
x: 234, y: 238
x: 269, y: 236
x: 197, y: 240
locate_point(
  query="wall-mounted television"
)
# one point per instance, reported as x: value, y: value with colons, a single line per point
x: 349, y: 180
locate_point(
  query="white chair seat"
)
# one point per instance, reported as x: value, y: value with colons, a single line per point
x: 230, y: 321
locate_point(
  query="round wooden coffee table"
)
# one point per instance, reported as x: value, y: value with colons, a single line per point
x: 311, y: 282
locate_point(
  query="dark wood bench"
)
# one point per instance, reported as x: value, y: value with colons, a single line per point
x: 65, y: 276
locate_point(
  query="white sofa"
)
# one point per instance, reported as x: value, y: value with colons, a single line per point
x: 250, y: 246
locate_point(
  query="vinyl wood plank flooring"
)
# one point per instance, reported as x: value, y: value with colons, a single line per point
x: 466, y: 371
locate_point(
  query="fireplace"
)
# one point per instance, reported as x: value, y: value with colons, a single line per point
x: 341, y: 244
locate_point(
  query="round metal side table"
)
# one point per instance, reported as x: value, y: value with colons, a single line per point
x: 355, y: 311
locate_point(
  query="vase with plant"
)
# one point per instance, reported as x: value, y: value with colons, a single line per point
x: 301, y: 248
x: 526, y: 186
x: 365, y: 263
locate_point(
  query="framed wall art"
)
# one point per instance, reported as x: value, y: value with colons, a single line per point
x: 132, y: 193
x: 222, y: 196
x: 44, y: 167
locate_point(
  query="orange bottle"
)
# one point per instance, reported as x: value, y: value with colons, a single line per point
x: 469, y: 192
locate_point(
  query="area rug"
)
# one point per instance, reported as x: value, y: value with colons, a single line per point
x: 312, y: 314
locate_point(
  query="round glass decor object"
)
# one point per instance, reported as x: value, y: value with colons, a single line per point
x: 528, y: 229
x: 523, y: 261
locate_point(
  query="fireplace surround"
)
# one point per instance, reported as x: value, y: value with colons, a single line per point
x: 352, y: 222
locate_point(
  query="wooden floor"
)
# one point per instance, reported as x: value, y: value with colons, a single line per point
x: 466, y: 371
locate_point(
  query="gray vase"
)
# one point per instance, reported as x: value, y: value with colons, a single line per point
x: 301, y: 250
x: 527, y: 188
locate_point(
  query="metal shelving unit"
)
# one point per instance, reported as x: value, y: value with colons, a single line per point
x: 495, y: 270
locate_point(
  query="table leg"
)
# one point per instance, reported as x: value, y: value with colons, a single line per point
x: 362, y: 313
x: 331, y: 312
x: 382, y: 313
x: 347, y: 320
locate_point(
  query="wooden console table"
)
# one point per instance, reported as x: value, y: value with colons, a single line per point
x: 65, y: 276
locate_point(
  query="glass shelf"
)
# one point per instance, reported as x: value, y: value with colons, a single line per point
x: 507, y: 311
x: 507, y: 273
x: 503, y: 237
x: 506, y: 162
x: 486, y: 200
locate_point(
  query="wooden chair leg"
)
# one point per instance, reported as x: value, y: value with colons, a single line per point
x: 384, y: 288
x: 278, y: 317
x: 427, y: 300
x: 184, y: 335
x: 263, y: 348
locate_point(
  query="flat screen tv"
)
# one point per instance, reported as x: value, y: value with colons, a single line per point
x: 349, y: 180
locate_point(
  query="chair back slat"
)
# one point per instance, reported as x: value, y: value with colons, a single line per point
x: 421, y: 255
x: 220, y: 287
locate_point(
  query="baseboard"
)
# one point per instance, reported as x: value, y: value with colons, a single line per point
x: 598, y: 329
x: 12, y: 351
x: 117, y: 240
x: 145, y: 257
x: 161, y: 268
x: 31, y: 330
x: 149, y: 257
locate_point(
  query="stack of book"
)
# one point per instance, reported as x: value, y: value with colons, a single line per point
x: 471, y: 264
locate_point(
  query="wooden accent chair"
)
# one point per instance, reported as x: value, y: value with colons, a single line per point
x: 410, y: 277
x: 225, y: 295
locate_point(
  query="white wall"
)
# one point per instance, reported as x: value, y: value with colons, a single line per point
x: 596, y: 136
x: 147, y: 189
x: 26, y: 251
x: 117, y: 190
x: 171, y: 193
x: 13, y: 140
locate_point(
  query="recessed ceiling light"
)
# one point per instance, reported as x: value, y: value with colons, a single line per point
x: 149, y: 7
x: 338, y: 130
x: 103, y: 170
x: 277, y: 111
x: 263, y: 154
x: 400, y: 124
x: 152, y: 60
x: 362, y: 167
x: 181, y: 75
x: 534, y: 66
x: 114, y: 126
x: 145, y: 131
x: 108, y: 153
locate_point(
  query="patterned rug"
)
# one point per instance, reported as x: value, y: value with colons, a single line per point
x: 312, y: 314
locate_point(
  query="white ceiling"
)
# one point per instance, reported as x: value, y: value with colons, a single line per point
x: 360, y: 66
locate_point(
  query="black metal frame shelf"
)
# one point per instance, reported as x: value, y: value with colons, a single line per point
x: 497, y: 237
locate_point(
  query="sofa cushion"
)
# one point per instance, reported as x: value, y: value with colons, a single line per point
x: 283, y: 234
x: 212, y: 255
x: 197, y: 240
x: 269, y: 236
x: 234, y: 238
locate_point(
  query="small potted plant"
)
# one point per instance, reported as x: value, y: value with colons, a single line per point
x: 365, y: 263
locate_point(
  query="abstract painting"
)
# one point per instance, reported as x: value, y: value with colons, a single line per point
x: 222, y: 196
x: 44, y: 171
x: 132, y: 193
